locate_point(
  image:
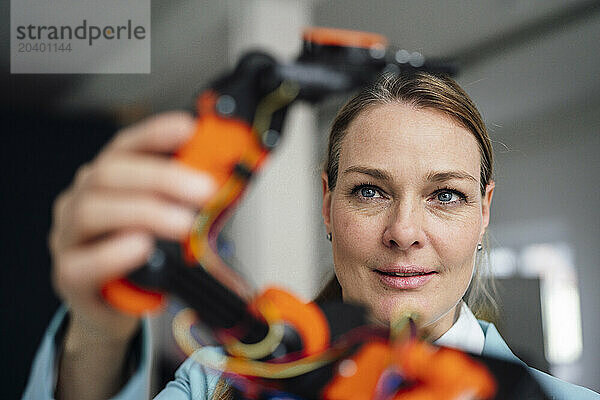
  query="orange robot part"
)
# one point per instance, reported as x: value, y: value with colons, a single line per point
x: 434, y: 373
x: 344, y: 38
x: 306, y: 318
x: 216, y: 146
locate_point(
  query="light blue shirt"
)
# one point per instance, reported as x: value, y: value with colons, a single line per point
x: 194, y: 382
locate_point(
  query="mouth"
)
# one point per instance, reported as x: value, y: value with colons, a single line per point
x: 405, y: 277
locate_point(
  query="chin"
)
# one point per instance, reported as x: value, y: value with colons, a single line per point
x: 383, y: 312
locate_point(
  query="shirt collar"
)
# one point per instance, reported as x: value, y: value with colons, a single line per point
x: 466, y: 333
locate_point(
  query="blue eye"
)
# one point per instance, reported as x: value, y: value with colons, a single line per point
x: 368, y: 192
x: 445, y: 197
x: 448, y: 196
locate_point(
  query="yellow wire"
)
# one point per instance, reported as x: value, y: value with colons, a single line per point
x: 270, y: 342
x: 181, y: 328
x: 268, y: 370
x: 261, y: 349
x: 207, y: 216
x: 400, y: 325
x: 283, y: 95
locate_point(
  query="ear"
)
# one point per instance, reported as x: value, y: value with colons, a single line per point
x: 326, y: 210
x: 486, y: 204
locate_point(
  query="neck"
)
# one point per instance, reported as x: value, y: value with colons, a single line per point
x: 433, y: 331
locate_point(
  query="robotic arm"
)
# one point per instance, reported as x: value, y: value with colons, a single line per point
x: 274, y: 342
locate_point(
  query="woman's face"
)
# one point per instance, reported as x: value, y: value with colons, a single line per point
x: 407, y: 213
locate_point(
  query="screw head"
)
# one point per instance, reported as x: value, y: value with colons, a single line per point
x: 225, y: 105
x: 270, y: 138
x: 416, y: 59
x: 402, y: 56
x: 157, y: 259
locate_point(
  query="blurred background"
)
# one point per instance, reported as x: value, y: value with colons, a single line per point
x: 532, y: 67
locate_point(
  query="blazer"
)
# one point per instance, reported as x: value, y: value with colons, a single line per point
x: 194, y: 382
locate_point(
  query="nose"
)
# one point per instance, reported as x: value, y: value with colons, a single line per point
x: 404, y: 229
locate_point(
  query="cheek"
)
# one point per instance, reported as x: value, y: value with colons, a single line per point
x: 455, y: 241
x: 355, y: 241
x: 354, y: 230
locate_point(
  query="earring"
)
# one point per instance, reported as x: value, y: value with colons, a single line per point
x: 329, y: 236
x: 479, y: 247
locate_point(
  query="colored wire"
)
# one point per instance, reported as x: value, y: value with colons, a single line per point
x: 181, y: 328
x: 202, y: 239
x: 266, y: 346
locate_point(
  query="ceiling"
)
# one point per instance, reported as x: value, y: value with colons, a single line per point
x: 518, y: 57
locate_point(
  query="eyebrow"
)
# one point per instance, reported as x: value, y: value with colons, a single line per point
x: 374, y: 172
x: 448, y: 175
x: 439, y: 176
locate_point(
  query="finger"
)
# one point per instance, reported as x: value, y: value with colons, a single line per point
x: 82, y: 174
x: 164, y: 133
x: 104, y: 212
x: 58, y: 215
x: 84, y: 267
x: 158, y: 175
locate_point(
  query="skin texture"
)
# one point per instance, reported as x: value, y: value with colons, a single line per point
x: 403, y: 215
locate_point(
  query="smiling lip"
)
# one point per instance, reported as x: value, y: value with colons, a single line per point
x: 405, y: 277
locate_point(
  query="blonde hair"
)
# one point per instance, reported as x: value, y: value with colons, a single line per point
x: 425, y: 91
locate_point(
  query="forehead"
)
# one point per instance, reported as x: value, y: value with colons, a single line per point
x: 400, y: 136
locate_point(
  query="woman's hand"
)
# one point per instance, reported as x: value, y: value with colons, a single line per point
x: 105, y: 223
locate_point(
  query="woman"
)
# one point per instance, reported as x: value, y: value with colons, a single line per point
x: 407, y: 191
